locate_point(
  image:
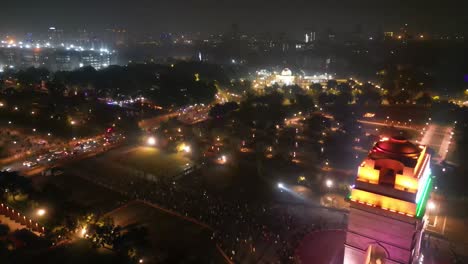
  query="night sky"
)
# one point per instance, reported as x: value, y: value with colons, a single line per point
x: 292, y: 16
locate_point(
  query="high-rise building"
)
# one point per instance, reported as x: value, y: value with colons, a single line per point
x: 388, y: 200
x: 54, y: 36
x: 310, y: 37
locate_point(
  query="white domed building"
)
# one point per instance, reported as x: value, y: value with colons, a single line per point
x: 286, y: 77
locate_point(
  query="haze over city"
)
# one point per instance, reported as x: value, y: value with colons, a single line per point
x: 210, y: 16
x: 242, y: 131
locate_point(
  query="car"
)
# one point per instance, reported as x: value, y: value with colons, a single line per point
x: 29, y: 164
x: 41, y: 158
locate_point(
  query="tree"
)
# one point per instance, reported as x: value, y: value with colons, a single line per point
x: 305, y: 102
x: 221, y: 110
x: 344, y: 98
x: 132, y: 242
x: 262, y: 111
x: 402, y: 97
x: 316, y: 88
x: 4, y: 230
x: 32, y: 77
x: 425, y: 99
x: 13, y: 184
x: 344, y: 88
x: 369, y: 95
x: 331, y: 84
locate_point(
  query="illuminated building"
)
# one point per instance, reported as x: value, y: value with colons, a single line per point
x: 388, y: 35
x: 388, y: 204
x: 55, y: 59
x: 285, y: 77
x: 310, y: 37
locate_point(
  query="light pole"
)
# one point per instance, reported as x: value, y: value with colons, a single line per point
x: 40, y: 212
x: 151, y: 141
x: 329, y: 183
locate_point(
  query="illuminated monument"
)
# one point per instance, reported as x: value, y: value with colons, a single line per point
x: 388, y: 203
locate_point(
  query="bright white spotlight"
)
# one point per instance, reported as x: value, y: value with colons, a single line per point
x: 280, y: 185
x: 151, y: 141
x: 431, y: 205
x: 40, y: 212
x: 83, y: 231
x: 329, y: 183
x: 187, y: 148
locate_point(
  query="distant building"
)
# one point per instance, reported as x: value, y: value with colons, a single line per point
x: 286, y: 77
x: 55, y: 59
x: 388, y: 35
x: 388, y: 200
x: 310, y: 37
x: 116, y: 36
x: 97, y: 60
x: 55, y: 36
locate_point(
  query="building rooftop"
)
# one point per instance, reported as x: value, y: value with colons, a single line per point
x: 396, y: 148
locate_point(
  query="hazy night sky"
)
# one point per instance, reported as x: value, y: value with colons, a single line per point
x: 292, y: 16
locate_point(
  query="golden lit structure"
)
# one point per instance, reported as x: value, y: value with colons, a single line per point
x: 388, y: 203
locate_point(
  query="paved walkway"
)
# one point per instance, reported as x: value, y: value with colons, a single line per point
x: 10, y: 223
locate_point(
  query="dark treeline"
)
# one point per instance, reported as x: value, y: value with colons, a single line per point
x: 175, y: 84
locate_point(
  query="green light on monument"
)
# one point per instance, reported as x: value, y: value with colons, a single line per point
x: 421, y: 204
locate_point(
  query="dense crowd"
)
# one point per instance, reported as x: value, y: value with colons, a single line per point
x: 245, y: 230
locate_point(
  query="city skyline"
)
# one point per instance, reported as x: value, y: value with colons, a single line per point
x: 252, y: 17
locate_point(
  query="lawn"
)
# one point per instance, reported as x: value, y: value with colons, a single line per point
x: 181, y: 240
x: 156, y: 162
x: 78, y: 252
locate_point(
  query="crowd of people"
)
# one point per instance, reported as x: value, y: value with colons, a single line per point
x: 246, y: 230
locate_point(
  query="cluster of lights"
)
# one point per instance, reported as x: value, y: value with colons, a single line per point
x: 21, y: 45
x: 383, y: 208
x: 140, y: 99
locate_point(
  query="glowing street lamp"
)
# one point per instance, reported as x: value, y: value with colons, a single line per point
x: 184, y: 147
x: 83, y: 231
x: 72, y: 122
x: 431, y: 205
x: 40, y: 212
x: 329, y: 183
x: 281, y: 185
x: 151, y: 141
x: 187, y: 148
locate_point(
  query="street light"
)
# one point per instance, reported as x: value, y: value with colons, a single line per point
x: 83, y: 231
x: 431, y: 205
x: 187, y: 148
x: 151, y: 141
x: 40, y: 212
x: 72, y: 122
x: 280, y: 185
x: 329, y: 183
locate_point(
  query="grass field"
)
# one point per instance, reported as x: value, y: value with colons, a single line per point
x: 154, y: 161
x: 78, y: 252
x: 181, y: 240
x: 88, y: 194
